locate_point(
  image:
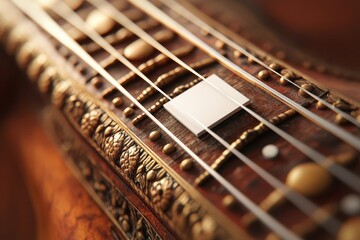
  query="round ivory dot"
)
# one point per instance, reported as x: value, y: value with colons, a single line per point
x: 350, y: 204
x: 270, y: 151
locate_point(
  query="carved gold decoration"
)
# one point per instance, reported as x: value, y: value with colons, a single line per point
x: 129, y: 160
x: 90, y: 121
x: 59, y: 94
x: 125, y: 215
x: 160, y: 190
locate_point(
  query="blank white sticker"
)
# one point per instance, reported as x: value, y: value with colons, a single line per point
x: 209, y: 103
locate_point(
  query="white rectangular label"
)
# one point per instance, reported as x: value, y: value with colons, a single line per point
x: 210, y: 102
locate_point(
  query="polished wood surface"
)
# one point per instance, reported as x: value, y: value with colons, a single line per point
x: 40, y: 197
x: 157, y: 178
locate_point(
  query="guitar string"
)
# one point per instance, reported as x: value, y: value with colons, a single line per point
x: 310, y: 208
x: 39, y: 16
x: 166, y: 20
x: 115, y: 50
x: 341, y: 173
x: 183, y: 12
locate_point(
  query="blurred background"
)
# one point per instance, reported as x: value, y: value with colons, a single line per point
x: 17, y: 219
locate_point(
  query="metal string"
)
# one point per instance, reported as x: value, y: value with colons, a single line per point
x: 341, y: 173
x: 44, y: 21
x: 156, y: 13
x: 310, y: 207
x: 184, y: 12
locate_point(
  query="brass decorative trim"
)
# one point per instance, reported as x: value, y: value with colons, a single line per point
x: 146, y: 176
x: 181, y: 208
x: 174, y: 200
x: 125, y: 216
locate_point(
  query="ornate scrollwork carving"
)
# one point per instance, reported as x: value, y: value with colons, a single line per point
x: 155, y: 185
x: 75, y: 107
x: 114, y: 144
x: 129, y: 160
x: 162, y: 193
x: 145, y: 175
x: 90, y: 121
x: 59, y: 94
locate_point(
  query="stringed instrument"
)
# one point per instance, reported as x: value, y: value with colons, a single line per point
x: 184, y: 121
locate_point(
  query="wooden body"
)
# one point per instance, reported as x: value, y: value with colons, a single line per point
x: 142, y: 190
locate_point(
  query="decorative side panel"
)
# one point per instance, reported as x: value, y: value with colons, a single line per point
x: 177, y: 208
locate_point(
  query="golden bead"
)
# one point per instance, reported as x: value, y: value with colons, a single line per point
x: 96, y: 82
x: 154, y: 136
x: 307, y: 87
x: 320, y: 105
x: 169, y: 148
x: 164, y: 35
x: 219, y: 44
x: 283, y: 81
x: 251, y: 60
x: 186, y: 164
x: 339, y: 119
x: 100, y: 22
x: 237, y: 54
x: 229, y: 201
x: 345, y: 158
x: 117, y: 101
x: 350, y: 230
x: 263, y: 74
x: 138, y: 50
x: 309, y: 179
x: 128, y: 111
x: 275, y: 66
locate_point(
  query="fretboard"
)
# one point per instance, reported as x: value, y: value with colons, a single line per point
x: 216, y: 137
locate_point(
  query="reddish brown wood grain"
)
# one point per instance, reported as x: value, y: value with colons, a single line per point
x: 60, y: 202
x: 63, y: 210
x: 40, y: 198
